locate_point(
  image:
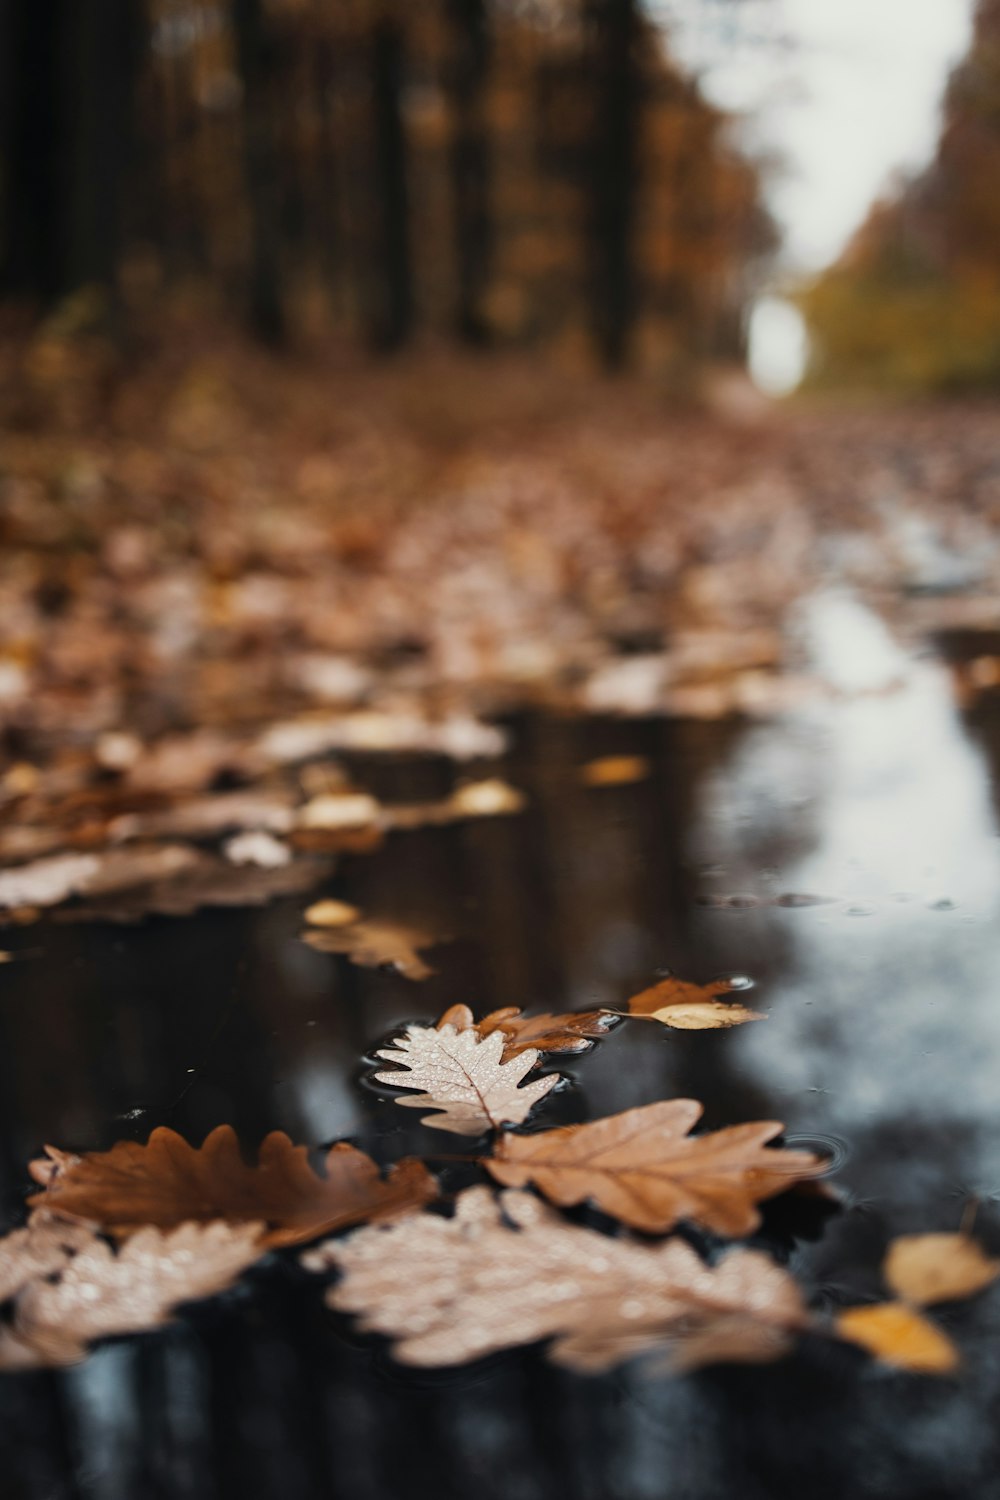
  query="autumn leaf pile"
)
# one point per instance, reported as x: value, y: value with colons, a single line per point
x: 117, y: 1240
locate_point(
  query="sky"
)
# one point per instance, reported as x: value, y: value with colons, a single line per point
x: 843, y: 93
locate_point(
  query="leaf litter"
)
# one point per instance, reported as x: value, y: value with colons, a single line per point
x: 117, y: 1240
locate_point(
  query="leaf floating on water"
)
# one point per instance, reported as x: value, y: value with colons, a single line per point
x: 169, y: 1182
x: 99, y: 1291
x: 928, y: 1268
x: 575, y: 1031
x: 692, y: 1007
x: 643, y: 1168
x: 375, y: 944
x: 332, y: 913
x: 615, y: 770
x: 447, y: 1291
x: 899, y: 1335
x: 204, y: 882
x: 463, y: 1076
x: 37, y: 1250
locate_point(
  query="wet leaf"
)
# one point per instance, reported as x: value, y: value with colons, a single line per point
x: 900, y: 1336
x: 168, y: 1182
x: 208, y: 881
x: 691, y: 1007
x: 99, y: 1291
x: 463, y: 1076
x: 615, y: 770
x: 928, y: 1268
x: 644, y: 1168
x: 376, y: 944
x: 332, y: 914
x: 38, y: 1249
x: 447, y: 1291
x: 575, y: 1031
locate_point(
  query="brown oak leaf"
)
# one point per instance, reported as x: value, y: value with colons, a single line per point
x: 644, y: 1168
x: 499, y: 1274
x: 575, y: 1031
x: 375, y: 944
x: 169, y: 1182
x: 691, y: 1007
x: 463, y: 1076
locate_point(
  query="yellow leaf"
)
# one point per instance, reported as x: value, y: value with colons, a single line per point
x: 926, y: 1268
x: 897, y: 1335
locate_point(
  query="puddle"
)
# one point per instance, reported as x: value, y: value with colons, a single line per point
x: 882, y: 1048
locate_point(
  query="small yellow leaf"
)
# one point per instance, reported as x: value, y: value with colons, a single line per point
x: 331, y: 810
x: 926, y: 1268
x: 897, y: 1335
x: 332, y: 914
x: 615, y: 770
x: 485, y: 799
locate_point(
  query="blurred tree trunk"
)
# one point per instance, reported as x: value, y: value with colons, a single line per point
x: 470, y: 163
x: 71, y: 69
x: 393, y: 320
x: 614, y: 31
x: 255, y: 60
x: 34, y: 104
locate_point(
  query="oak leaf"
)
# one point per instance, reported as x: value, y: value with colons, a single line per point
x: 499, y: 1274
x: 168, y: 1182
x: 644, y: 1168
x: 38, y: 1249
x: 575, y: 1031
x: 374, y: 944
x: 691, y: 1007
x: 99, y: 1291
x: 464, y: 1077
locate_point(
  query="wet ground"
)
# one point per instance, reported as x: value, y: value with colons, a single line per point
x: 882, y: 1046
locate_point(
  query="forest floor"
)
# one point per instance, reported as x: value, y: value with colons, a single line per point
x: 219, y: 565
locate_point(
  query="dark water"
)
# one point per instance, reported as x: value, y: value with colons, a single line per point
x: 883, y: 1044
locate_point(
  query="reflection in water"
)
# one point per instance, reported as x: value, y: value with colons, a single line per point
x: 883, y: 1036
x: 894, y: 1018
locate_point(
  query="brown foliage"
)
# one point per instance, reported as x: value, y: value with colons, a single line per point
x: 574, y: 1031
x: 169, y: 1182
x: 642, y: 1167
x: 691, y: 1007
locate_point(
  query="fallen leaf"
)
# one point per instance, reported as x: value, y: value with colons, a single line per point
x: 463, y: 1076
x: 38, y: 1249
x: 209, y: 881
x: 615, y: 770
x: 486, y: 799
x: 899, y: 1336
x: 332, y: 914
x: 337, y: 810
x: 259, y: 848
x: 376, y: 944
x: 642, y: 1167
x: 168, y: 1182
x: 500, y: 1274
x: 476, y: 799
x: 691, y: 1007
x: 575, y: 1031
x: 99, y: 1291
x: 928, y: 1268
